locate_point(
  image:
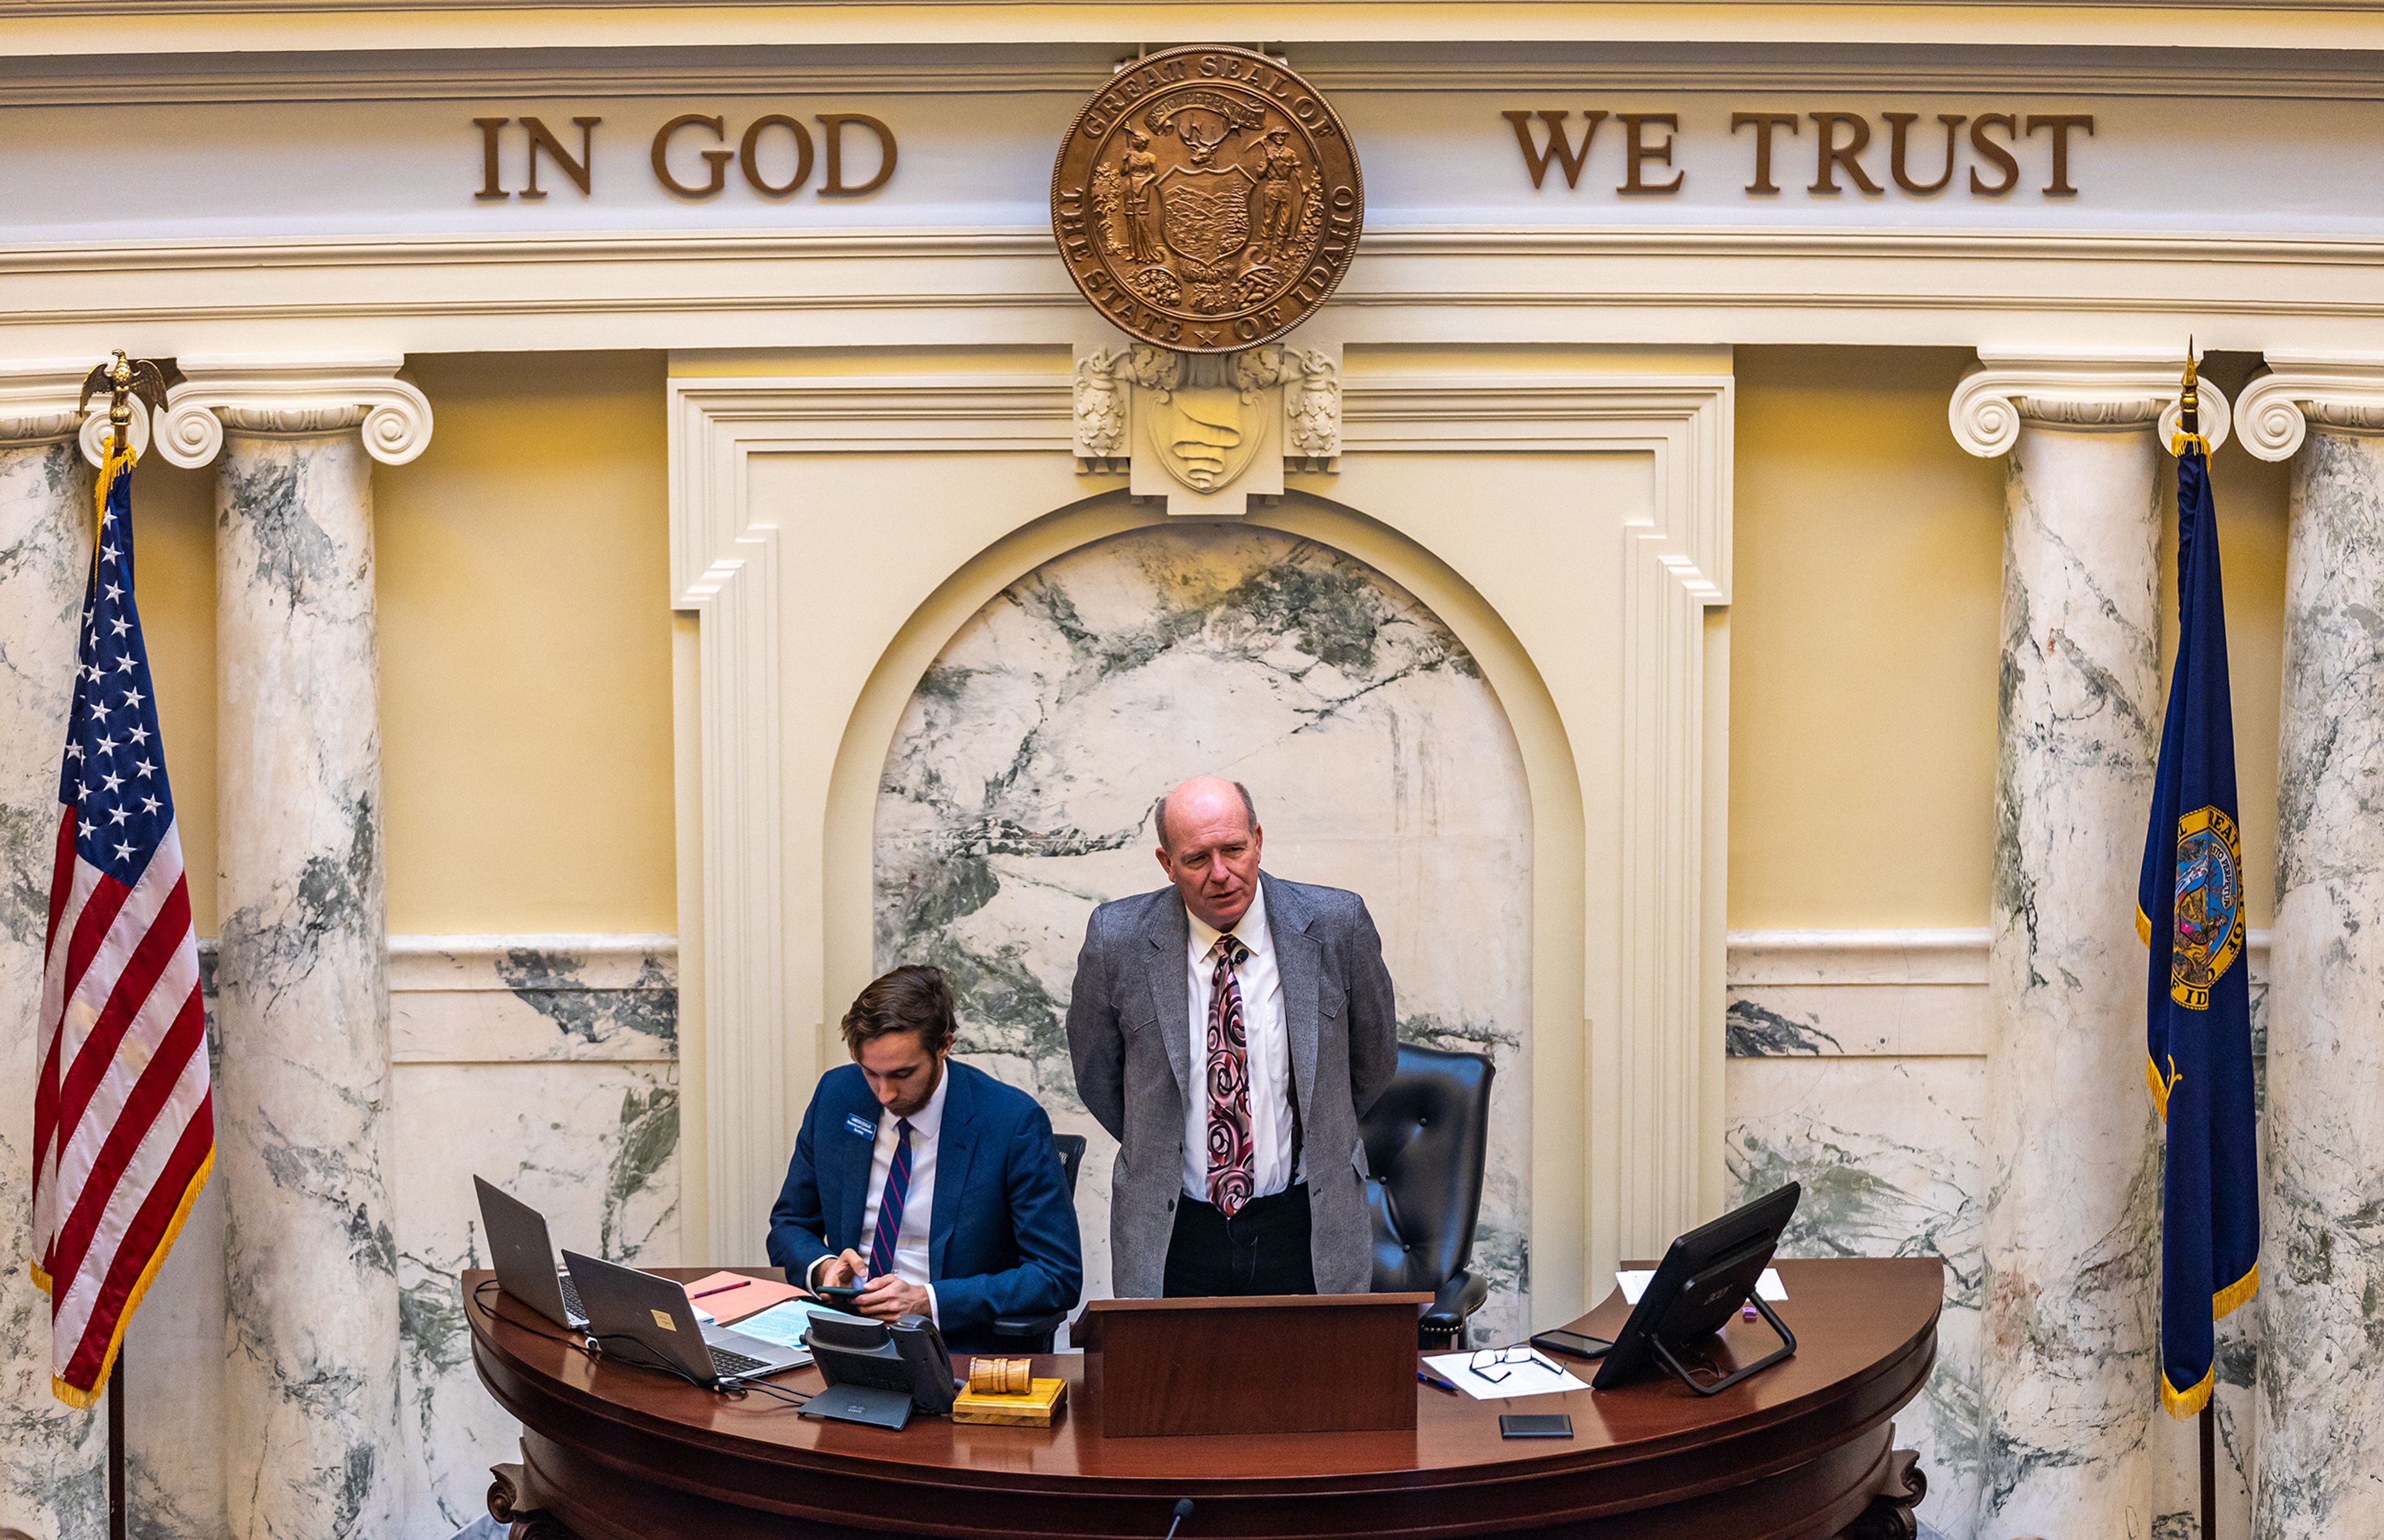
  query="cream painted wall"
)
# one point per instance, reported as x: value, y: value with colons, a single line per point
x: 1864, y: 645
x: 174, y: 575
x: 525, y: 650
x: 526, y: 647
x: 1868, y: 576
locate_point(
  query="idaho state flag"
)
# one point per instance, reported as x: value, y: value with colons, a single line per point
x: 2190, y: 911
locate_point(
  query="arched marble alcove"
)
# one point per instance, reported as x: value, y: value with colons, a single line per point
x: 1016, y: 791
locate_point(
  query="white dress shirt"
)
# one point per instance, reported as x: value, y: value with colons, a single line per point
x: 918, y: 1203
x: 1269, y: 1054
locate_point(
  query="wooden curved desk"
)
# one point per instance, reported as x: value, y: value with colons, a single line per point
x: 1799, y: 1452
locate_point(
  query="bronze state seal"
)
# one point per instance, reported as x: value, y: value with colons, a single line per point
x: 1207, y: 199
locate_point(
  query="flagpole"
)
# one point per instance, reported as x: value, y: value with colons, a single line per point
x: 122, y: 379
x: 115, y: 1446
x: 2188, y: 423
x: 2210, y: 1467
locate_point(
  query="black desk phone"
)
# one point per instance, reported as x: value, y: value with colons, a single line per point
x: 879, y: 1371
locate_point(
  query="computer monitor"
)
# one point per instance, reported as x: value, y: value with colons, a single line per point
x: 1703, y: 1279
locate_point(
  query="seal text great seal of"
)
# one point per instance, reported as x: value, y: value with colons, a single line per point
x: 1207, y: 199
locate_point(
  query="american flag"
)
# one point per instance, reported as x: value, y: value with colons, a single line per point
x: 123, y: 1132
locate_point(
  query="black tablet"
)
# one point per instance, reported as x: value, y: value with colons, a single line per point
x: 1705, y: 1277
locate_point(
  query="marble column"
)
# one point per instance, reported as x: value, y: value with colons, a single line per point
x: 52, y: 1477
x: 2069, y: 1309
x: 2321, y: 1409
x: 311, y: 1383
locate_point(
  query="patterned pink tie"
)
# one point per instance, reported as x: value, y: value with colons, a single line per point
x: 1232, y: 1162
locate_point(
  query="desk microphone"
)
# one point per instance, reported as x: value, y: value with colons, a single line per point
x: 1182, y: 1512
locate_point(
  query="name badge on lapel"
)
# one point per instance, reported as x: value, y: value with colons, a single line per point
x: 861, y: 1126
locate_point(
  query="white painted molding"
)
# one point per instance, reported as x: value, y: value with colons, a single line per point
x: 1683, y: 420
x: 1855, y: 958
x: 496, y: 73
x: 2111, y: 389
x: 421, y: 964
x: 293, y: 395
x: 1649, y: 1070
x: 41, y: 402
x: 724, y: 558
x: 232, y: 27
x: 2339, y: 390
x: 1650, y: 1067
x: 924, y: 287
x: 1858, y: 957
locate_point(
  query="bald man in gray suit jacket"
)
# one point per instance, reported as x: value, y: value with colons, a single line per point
x: 1230, y: 1030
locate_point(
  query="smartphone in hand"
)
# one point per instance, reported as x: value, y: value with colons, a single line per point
x: 839, y: 1294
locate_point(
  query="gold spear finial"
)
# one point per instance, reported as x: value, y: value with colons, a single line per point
x: 122, y: 379
x: 2189, y: 410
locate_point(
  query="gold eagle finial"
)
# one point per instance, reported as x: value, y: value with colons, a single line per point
x: 123, y: 379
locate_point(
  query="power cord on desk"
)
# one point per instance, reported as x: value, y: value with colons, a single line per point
x: 592, y: 1346
x: 1182, y: 1512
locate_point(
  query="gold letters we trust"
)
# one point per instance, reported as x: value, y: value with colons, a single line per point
x: 1848, y: 153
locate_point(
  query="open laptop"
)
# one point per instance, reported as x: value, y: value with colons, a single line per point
x: 629, y: 1310
x: 524, y: 1258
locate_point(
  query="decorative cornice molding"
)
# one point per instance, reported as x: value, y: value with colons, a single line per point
x: 2199, y: 29
x: 293, y: 395
x: 897, y: 287
x: 41, y: 402
x: 2338, y: 390
x: 432, y: 74
x: 1847, y: 959
x: 2106, y: 391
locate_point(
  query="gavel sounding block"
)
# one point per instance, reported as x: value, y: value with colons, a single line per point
x: 1004, y: 1392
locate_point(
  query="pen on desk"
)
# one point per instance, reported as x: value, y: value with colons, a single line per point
x: 722, y: 1289
x: 1435, y: 1381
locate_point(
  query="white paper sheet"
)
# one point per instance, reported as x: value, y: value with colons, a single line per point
x: 781, y: 1324
x: 1634, y: 1283
x: 1539, y: 1376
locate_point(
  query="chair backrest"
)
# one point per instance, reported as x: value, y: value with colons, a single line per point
x: 1427, y: 1141
x: 1072, y: 1155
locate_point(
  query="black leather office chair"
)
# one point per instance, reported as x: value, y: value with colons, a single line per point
x: 1426, y: 1142
x: 1034, y: 1332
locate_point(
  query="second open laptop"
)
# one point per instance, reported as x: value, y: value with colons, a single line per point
x: 524, y: 1258
x: 636, y: 1315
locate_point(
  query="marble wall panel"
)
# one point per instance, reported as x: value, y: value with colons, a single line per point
x: 548, y: 1064
x: 1889, y: 1154
x: 52, y: 1477
x: 1017, y: 791
x: 1857, y: 1067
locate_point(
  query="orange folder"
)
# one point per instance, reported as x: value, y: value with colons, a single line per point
x: 734, y: 1296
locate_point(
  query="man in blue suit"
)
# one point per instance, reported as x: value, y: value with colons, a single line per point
x: 933, y: 1186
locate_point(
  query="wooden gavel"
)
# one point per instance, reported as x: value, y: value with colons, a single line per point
x: 1001, y: 1377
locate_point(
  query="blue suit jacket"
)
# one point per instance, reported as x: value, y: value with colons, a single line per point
x: 1003, y: 1241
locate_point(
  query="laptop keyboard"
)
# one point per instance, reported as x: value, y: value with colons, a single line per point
x: 571, y: 1296
x: 730, y: 1365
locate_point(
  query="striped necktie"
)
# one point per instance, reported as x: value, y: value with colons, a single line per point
x: 890, y: 1206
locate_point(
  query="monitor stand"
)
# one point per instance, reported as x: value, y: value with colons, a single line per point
x: 1787, y: 1347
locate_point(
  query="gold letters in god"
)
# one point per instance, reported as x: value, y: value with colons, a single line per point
x: 1207, y: 199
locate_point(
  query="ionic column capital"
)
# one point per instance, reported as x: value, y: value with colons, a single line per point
x: 41, y: 402
x: 257, y: 394
x: 2112, y: 390
x: 2345, y: 390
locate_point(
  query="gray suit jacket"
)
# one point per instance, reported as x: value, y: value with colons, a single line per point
x: 1130, y: 1033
